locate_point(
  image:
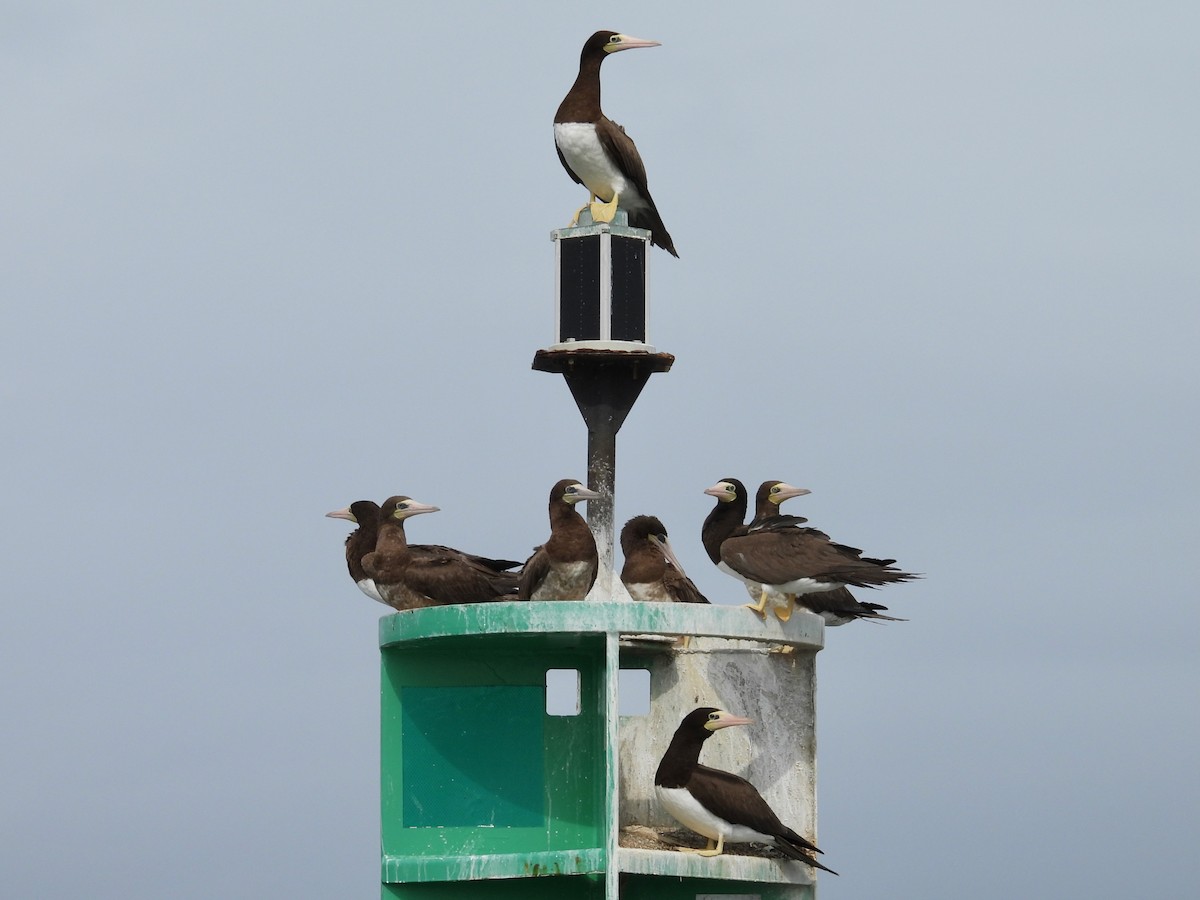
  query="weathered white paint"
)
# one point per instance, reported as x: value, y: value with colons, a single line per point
x: 733, y: 661
x: 803, y: 630
x: 777, y: 753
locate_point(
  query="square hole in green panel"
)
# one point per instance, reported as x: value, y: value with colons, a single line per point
x: 473, y: 756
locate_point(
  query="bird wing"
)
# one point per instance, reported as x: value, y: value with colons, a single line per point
x: 681, y: 588
x: 440, y: 550
x: 738, y: 802
x: 841, y: 603
x: 768, y: 523
x: 780, y: 555
x: 773, y: 557
x: 534, y: 572
x: 621, y: 150
x: 448, y: 579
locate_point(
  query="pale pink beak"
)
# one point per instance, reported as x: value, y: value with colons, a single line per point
x: 787, y: 492
x: 342, y: 514
x: 728, y: 719
x: 629, y: 42
x: 665, y: 547
x: 415, y: 508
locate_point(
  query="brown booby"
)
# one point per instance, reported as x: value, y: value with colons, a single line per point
x: 836, y: 607
x: 652, y: 571
x: 361, y: 541
x: 725, y: 520
x: 407, y: 581
x: 563, y: 568
x: 786, y: 558
x: 720, y: 805
x: 596, y: 151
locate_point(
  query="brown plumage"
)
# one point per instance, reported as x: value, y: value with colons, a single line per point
x: 789, y: 559
x: 652, y: 571
x: 563, y: 568
x: 361, y: 541
x: 620, y: 170
x: 837, y: 606
x: 720, y: 805
x: 724, y: 521
x: 409, y: 581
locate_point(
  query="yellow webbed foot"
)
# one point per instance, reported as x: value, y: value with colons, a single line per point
x: 760, y: 608
x: 757, y: 610
x: 783, y: 613
x: 710, y: 850
x: 575, y: 218
x: 604, y: 212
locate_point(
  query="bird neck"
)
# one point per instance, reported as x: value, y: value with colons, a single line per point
x: 720, y: 524
x: 582, y: 103
x: 391, y: 539
x: 643, y: 566
x: 680, y: 760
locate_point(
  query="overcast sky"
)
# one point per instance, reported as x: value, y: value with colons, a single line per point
x: 940, y: 263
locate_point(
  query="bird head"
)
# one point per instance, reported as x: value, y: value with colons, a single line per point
x: 401, y: 508
x: 726, y: 490
x: 572, y: 492
x: 347, y: 514
x: 778, y: 491
x: 710, y: 719
x: 359, y: 511
x: 614, y: 41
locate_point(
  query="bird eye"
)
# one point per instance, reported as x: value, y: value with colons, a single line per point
x: 775, y: 490
x: 713, y: 716
x: 572, y: 489
x: 615, y: 39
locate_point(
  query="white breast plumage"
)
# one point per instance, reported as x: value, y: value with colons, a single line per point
x: 367, y: 586
x: 563, y: 582
x: 687, y: 809
x: 585, y: 155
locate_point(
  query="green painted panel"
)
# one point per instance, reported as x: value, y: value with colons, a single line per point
x: 570, y: 621
x: 657, y: 887
x: 398, y: 869
x: 575, y: 887
x: 471, y: 756
x: 503, y: 677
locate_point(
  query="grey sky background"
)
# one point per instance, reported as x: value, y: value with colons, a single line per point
x: 939, y: 263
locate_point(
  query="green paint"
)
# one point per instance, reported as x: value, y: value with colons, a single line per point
x: 573, y: 620
x: 467, y: 754
x: 472, y: 766
x: 580, y: 887
x: 492, y: 867
x: 652, y: 887
x: 485, y: 796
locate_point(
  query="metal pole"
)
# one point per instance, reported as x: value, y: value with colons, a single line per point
x: 605, y: 385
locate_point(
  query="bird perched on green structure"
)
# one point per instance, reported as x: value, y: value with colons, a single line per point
x: 784, y: 557
x: 652, y: 571
x: 720, y: 805
x: 836, y: 606
x: 407, y: 580
x: 563, y: 568
x: 361, y: 541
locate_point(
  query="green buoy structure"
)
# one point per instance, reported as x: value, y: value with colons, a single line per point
x: 519, y: 740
